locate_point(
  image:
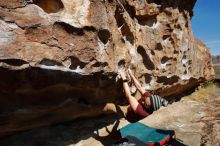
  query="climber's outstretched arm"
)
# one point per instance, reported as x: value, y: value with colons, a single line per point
x: 132, y: 100
x: 136, y: 82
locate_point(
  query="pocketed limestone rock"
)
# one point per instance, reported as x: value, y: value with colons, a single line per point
x: 59, y: 52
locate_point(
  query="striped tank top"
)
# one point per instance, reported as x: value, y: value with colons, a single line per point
x: 157, y: 102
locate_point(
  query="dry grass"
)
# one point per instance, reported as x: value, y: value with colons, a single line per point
x: 209, y: 90
x: 202, y: 94
x: 217, y: 70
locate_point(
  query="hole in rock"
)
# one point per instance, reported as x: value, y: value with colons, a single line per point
x: 123, y: 41
x: 146, y: 59
x: 147, y: 20
x: 121, y: 63
x: 49, y: 62
x: 100, y: 64
x: 187, y: 25
x: 168, y: 81
x: 125, y: 30
x: 176, y: 52
x: 152, y: 52
x: 148, y: 78
x: 172, y: 41
x: 130, y: 9
x: 169, y: 64
x: 178, y: 26
x: 159, y: 46
x: 110, y: 1
x: 50, y: 6
x: 76, y: 62
x: 169, y: 13
x: 14, y: 62
x: 165, y: 37
x: 169, y: 38
x: 190, y: 68
x: 70, y: 29
x: 175, y: 20
x: 184, y: 56
x: 104, y: 35
x: 190, y: 62
x: 73, y: 30
x: 168, y: 28
x: 119, y: 17
x: 165, y: 59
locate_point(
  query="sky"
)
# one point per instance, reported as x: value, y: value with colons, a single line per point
x: 206, y: 23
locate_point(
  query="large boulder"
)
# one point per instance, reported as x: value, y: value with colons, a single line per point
x: 59, y: 58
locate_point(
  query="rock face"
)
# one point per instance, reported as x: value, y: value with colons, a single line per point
x: 59, y: 58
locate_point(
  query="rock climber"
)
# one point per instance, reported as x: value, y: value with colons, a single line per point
x: 143, y: 107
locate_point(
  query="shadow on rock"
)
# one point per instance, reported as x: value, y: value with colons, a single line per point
x: 69, y: 133
x: 175, y: 142
x: 112, y: 136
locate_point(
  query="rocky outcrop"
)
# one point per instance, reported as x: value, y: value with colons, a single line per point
x: 59, y: 58
x: 216, y: 59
